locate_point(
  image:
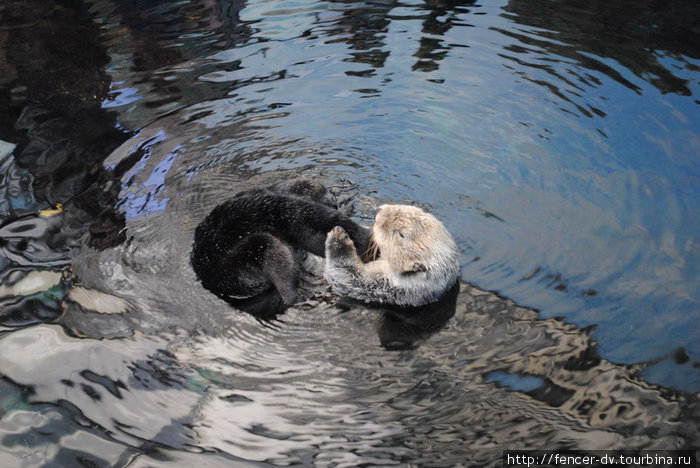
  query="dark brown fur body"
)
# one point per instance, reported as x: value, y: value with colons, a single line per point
x: 250, y: 244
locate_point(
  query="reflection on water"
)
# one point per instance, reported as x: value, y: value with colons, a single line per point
x: 555, y: 139
x: 644, y: 44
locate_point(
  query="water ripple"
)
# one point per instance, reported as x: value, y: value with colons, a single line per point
x: 557, y: 150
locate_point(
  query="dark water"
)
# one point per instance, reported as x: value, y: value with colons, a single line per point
x: 557, y: 140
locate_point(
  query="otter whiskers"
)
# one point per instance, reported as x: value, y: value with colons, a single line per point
x: 372, y: 251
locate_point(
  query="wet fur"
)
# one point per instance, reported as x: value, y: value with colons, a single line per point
x: 418, y: 259
x: 251, y: 244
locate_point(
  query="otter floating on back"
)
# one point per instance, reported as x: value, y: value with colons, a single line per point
x: 249, y: 244
x: 418, y: 260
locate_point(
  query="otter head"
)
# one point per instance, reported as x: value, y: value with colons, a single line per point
x: 409, y: 239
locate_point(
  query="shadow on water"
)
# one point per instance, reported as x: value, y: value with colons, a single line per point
x: 112, y: 354
x: 401, y: 328
x: 639, y: 36
x: 52, y: 105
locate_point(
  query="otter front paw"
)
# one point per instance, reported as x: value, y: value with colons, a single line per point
x: 339, y: 244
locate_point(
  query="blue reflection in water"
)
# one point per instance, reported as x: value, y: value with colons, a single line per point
x: 147, y: 199
x: 521, y: 383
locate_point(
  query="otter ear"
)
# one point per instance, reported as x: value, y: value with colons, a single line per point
x: 416, y: 267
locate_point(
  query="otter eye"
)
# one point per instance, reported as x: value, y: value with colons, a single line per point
x: 400, y: 234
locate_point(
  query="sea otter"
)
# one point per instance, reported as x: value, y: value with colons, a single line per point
x: 251, y: 244
x: 418, y: 260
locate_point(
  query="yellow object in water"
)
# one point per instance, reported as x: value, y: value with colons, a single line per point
x: 49, y: 213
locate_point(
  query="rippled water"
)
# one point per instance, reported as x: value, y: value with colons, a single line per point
x: 558, y: 142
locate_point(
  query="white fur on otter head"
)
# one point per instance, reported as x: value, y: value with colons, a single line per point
x: 418, y: 259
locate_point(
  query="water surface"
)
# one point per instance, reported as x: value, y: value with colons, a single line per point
x: 556, y: 140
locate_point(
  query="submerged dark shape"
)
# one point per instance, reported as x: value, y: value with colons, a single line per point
x: 401, y: 328
x: 251, y: 245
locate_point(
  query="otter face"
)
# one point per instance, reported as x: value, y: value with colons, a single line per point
x: 407, y: 237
